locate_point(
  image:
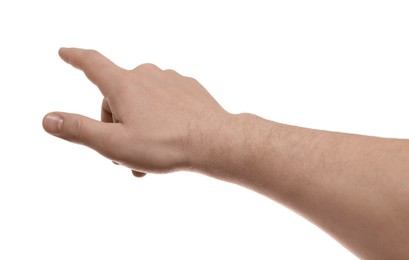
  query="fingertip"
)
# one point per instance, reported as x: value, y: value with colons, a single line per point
x: 62, y: 49
x: 52, y: 123
x: 62, y: 53
x: 66, y: 52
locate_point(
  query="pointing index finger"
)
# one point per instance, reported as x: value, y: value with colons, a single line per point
x: 100, y: 70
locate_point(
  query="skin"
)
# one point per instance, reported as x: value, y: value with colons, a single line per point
x: 354, y: 187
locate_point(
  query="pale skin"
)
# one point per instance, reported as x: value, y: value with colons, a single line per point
x: 354, y: 187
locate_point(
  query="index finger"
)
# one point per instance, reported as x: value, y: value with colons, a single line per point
x: 99, y: 69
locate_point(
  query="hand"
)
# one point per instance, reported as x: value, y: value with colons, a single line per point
x: 153, y: 120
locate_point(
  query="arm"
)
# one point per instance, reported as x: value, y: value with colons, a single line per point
x: 354, y: 187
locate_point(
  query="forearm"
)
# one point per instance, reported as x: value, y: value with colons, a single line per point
x: 354, y: 187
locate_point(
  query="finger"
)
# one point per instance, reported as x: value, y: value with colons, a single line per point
x: 105, y: 138
x: 106, y: 116
x: 100, y: 70
x: 106, y: 113
x: 138, y: 174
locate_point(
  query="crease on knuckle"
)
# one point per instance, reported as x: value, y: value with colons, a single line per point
x: 76, y: 132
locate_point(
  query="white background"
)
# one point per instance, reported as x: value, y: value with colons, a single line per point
x: 335, y: 65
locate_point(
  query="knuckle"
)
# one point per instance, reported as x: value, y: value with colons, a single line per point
x: 192, y: 80
x: 89, y: 57
x: 76, y: 130
x: 171, y: 72
x: 92, y: 52
x: 147, y: 67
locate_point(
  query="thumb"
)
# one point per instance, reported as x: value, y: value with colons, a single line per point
x: 105, y: 138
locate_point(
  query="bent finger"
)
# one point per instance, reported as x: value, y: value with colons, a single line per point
x: 138, y: 174
x: 106, y: 113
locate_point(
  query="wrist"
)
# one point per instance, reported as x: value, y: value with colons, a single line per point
x: 228, y: 147
x: 209, y: 141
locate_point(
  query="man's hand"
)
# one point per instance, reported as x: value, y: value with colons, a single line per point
x: 354, y: 187
x: 151, y: 118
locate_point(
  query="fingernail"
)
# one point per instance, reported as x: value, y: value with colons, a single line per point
x: 53, y: 123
